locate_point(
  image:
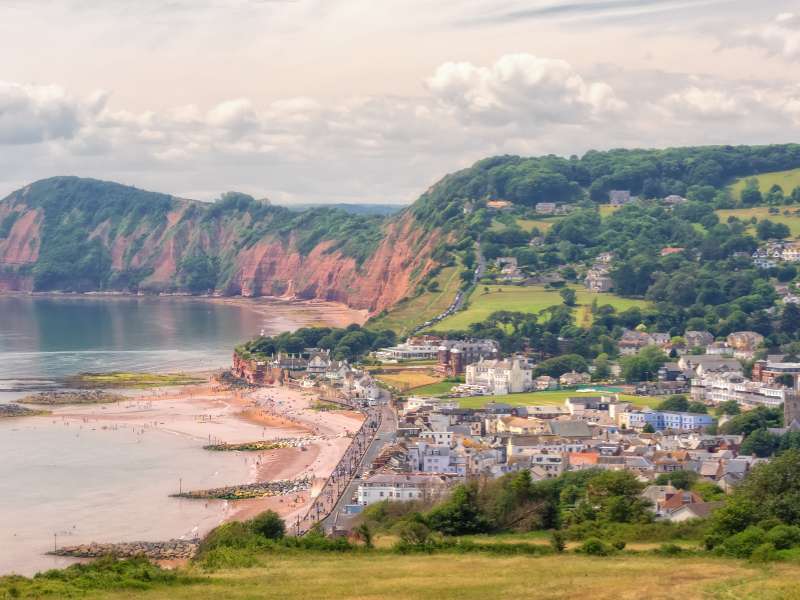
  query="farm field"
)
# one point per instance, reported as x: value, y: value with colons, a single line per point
x: 404, y: 316
x: 788, y: 180
x: 792, y: 221
x: 478, y: 576
x: 550, y: 398
x: 607, y: 209
x: 529, y: 299
x: 543, y: 225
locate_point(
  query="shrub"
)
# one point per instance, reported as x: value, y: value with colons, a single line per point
x: 594, y: 547
x: 784, y: 536
x: 227, y: 558
x: 669, y: 550
x: 742, y: 545
x: 619, y: 544
x: 269, y: 524
x: 764, y: 553
x: 557, y: 541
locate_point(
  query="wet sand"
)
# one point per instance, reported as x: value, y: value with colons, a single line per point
x: 210, y: 415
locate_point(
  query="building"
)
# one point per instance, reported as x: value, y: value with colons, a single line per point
x: 454, y: 355
x: 572, y: 378
x: 598, y: 280
x: 401, y: 488
x: 632, y: 341
x: 698, y: 339
x: 620, y: 197
x: 674, y: 200
x: 498, y: 377
x: 546, y: 208
x: 744, y: 343
x: 499, y: 205
x: 665, y: 420
x: 671, y: 250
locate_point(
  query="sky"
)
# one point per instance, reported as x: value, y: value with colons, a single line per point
x: 372, y: 101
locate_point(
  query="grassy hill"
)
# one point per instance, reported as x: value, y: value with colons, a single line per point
x: 377, y: 576
x: 792, y: 220
x: 788, y: 180
x: 527, y: 299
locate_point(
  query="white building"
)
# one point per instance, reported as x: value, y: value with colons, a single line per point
x: 401, y: 488
x: 499, y: 377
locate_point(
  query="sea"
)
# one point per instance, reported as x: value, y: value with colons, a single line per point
x: 65, y: 482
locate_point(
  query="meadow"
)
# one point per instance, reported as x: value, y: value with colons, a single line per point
x: 792, y: 221
x: 549, y: 398
x: 530, y: 299
x: 379, y: 575
x: 788, y: 180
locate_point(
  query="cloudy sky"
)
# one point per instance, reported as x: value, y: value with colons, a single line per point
x: 374, y: 100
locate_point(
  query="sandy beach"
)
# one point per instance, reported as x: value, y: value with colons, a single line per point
x: 209, y: 415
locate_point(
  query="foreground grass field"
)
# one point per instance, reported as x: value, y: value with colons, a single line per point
x: 529, y: 299
x: 403, y: 317
x: 788, y: 180
x: 792, y: 221
x: 549, y: 398
x: 379, y: 576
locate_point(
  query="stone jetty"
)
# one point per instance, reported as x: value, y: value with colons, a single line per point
x: 15, y: 410
x: 171, y: 550
x: 247, y: 491
x: 263, y: 445
x: 72, y: 397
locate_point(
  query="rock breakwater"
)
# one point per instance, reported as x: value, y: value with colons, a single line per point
x: 263, y: 445
x: 171, y: 550
x: 248, y: 491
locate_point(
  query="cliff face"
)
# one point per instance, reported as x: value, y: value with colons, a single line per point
x: 65, y: 243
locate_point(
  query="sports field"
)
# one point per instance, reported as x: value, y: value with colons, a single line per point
x: 530, y: 299
x: 550, y: 398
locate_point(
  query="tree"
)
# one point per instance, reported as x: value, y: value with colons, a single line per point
x: 729, y: 407
x: 460, y: 514
x: 648, y: 428
x: 681, y: 479
x: 569, y: 296
x: 269, y: 524
x: 676, y: 403
x: 760, y: 443
x: 643, y: 366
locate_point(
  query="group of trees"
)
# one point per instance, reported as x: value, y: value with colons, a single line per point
x: 516, y: 503
x: 350, y: 343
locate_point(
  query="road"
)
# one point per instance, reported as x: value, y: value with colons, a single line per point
x: 387, y: 434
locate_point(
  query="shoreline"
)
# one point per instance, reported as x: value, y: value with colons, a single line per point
x: 204, y: 413
x: 340, y: 315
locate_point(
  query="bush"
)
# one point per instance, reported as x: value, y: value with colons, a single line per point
x: 669, y: 550
x: 557, y: 541
x: 784, y: 537
x: 743, y: 544
x: 764, y: 553
x: 228, y: 558
x: 594, y: 547
x: 269, y: 524
x: 619, y: 544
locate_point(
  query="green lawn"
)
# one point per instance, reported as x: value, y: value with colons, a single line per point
x: 434, y: 389
x: 406, y: 315
x: 607, y: 209
x: 529, y: 299
x: 542, y: 224
x: 792, y: 221
x: 788, y: 180
x: 549, y: 398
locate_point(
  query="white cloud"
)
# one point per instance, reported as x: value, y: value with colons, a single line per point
x: 381, y: 147
x: 781, y: 36
x: 521, y: 88
x: 34, y: 113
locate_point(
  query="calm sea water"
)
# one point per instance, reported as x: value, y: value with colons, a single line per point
x: 83, y: 482
x: 42, y: 338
